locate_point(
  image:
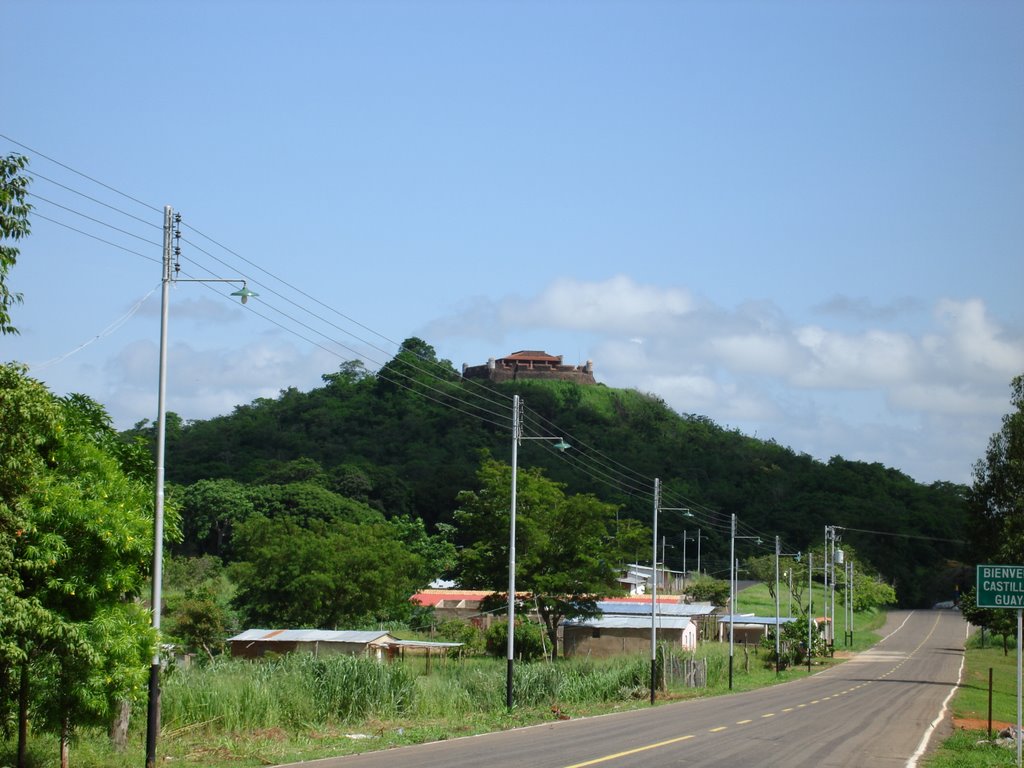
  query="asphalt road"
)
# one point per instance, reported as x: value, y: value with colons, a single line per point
x: 874, y: 711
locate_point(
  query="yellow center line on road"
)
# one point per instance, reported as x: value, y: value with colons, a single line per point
x: 628, y: 752
x: 719, y: 729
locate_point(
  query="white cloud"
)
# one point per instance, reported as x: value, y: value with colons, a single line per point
x: 617, y: 305
x: 769, y: 354
x: 206, y: 382
x: 882, y: 392
x: 973, y: 340
x: 840, y: 360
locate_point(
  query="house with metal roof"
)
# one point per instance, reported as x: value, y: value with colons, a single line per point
x: 748, y: 628
x: 612, y: 635
x: 255, y: 643
x: 624, y: 626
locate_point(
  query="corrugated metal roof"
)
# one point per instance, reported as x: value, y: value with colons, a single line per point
x: 608, y: 607
x: 630, y: 622
x: 758, y: 620
x: 424, y: 644
x: 310, y: 636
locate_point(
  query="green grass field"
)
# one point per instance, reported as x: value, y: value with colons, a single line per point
x: 963, y: 750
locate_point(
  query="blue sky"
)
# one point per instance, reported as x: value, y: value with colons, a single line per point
x: 801, y: 219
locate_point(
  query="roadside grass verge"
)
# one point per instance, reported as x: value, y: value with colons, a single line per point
x: 245, y: 714
x: 970, y: 709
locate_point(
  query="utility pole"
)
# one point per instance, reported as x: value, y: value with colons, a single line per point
x: 732, y: 590
x: 510, y: 641
x: 778, y: 646
x: 654, y: 592
x: 810, y: 609
x: 153, y: 713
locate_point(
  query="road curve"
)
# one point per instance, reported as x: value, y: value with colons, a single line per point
x: 876, y: 709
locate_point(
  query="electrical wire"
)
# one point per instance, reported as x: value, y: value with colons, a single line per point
x: 79, y: 173
x: 114, y: 326
x: 94, y: 237
x: 93, y: 219
x: 585, y: 458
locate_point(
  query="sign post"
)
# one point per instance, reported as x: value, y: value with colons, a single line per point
x: 1002, y: 586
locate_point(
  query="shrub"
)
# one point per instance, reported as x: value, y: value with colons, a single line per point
x: 529, y: 644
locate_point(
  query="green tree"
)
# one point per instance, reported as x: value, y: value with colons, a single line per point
x: 998, y: 621
x: 566, y: 551
x: 996, y: 498
x: 197, y: 603
x: 436, y: 552
x: 209, y: 510
x: 14, y: 225
x: 762, y: 568
x: 200, y: 621
x: 73, y: 562
x: 529, y: 640
x: 870, y: 591
x: 309, y: 500
x: 318, y: 573
x: 705, y: 589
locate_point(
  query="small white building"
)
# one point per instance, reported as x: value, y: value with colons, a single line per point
x: 618, y: 635
x: 254, y: 643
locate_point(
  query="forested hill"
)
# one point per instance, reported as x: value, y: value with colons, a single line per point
x: 409, y: 438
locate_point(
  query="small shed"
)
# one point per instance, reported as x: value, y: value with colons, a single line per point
x: 749, y: 629
x: 698, y: 613
x: 611, y: 635
x: 254, y: 643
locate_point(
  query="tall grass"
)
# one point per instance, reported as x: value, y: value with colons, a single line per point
x: 289, y: 692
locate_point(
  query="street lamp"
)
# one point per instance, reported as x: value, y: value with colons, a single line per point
x: 686, y: 539
x: 830, y: 582
x: 654, y: 580
x: 732, y: 590
x: 778, y: 554
x: 170, y: 272
x: 517, y: 437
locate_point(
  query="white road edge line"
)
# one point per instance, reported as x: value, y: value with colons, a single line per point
x: 912, y: 762
x: 896, y: 630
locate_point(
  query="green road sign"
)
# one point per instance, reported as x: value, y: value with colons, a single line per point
x: 1001, y: 586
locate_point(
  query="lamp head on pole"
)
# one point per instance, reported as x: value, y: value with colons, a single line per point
x: 561, y: 445
x: 244, y: 293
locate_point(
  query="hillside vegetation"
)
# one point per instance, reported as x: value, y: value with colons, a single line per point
x: 404, y: 442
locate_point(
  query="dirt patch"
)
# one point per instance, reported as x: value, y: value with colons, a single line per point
x: 977, y: 724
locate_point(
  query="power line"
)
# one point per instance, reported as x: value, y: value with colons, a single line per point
x: 901, y: 535
x: 483, y: 403
x: 95, y: 220
x: 94, y: 237
x: 79, y: 173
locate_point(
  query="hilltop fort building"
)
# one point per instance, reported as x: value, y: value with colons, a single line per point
x: 530, y: 364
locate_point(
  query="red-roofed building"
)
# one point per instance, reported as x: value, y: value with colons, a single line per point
x: 530, y: 364
x: 455, y: 604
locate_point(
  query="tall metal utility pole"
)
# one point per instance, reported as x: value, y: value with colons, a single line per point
x: 778, y: 645
x: 810, y: 608
x: 153, y: 713
x: 732, y: 590
x: 510, y: 643
x: 654, y: 591
x: 825, y: 571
